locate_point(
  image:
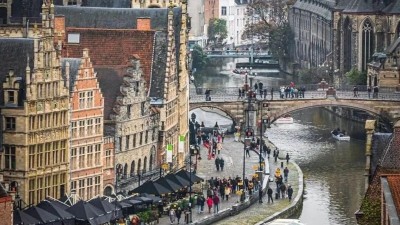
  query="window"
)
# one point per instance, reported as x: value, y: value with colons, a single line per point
x: 73, y: 129
x: 82, y: 100
x: 47, y: 150
x: 81, y: 188
x: 55, y: 152
x: 31, y: 157
x: 63, y: 151
x: 40, y: 90
x: 55, y: 89
x: 40, y: 122
x: 90, y: 155
x: 73, y: 38
x: 153, y: 134
x: 10, y: 123
x: 47, y: 119
x: 81, y: 157
x: 108, y: 158
x: 48, y: 89
x: 97, y: 185
x: 129, y: 111
x: 97, y: 154
x: 127, y: 138
x: 73, y: 158
x: 223, y: 10
x: 73, y: 185
x: 9, y: 156
x: 142, y: 109
x: 55, y: 185
x: 31, y: 188
x: 39, y: 159
x: 81, y: 128
x: 47, y: 186
x: 89, y: 99
x: 134, y: 140
x: 89, y: 188
x: 72, y: 2
x: 11, y: 96
x: 141, y: 138
x: 89, y: 127
x: 98, y: 126
x: 32, y: 122
x: 39, y: 191
x: 146, y: 137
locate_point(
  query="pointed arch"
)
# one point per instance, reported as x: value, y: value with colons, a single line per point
x: 367, y: 43
x: 125, y: 170
x: 347, y: 40
x: 132, y: 168
x: 144, y: 164
x: 139, y: 166
x: 397, y: 32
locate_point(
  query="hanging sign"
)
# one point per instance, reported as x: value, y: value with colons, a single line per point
x: 181, y: 146
x: 169, y: 150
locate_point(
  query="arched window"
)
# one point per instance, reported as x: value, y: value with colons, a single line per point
x: 144, y: 164
x: 133, y: 168
x: 347, y: 49
x: 367, y: 44
x: 107, y: 191
x: 397, y: 34
x: 139, y: 166
x: 152, y: 157
x: 125, y: 170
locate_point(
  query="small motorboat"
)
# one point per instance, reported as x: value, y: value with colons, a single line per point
x: 286, y: 119
x: 340, y: 136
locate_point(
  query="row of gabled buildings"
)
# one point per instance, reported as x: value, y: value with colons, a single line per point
x: 90, y: 96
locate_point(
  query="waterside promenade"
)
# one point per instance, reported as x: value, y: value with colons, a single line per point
x: 232, y: 153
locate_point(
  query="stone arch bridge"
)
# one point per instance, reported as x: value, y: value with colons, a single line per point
x: 385, y: 107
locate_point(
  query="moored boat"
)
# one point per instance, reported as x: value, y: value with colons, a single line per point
x: 287, y: 119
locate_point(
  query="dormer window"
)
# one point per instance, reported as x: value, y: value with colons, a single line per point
x: 11, y: 96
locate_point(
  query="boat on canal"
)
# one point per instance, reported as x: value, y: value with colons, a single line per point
x: 341, y: 136
x: 286, y: 119
x: 285, y: 222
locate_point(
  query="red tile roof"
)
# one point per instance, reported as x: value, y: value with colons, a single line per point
x: 394, y: 184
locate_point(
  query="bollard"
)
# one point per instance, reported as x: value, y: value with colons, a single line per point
x: 282, y: 164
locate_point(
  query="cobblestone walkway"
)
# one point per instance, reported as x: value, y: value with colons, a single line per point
x: 232, y: 153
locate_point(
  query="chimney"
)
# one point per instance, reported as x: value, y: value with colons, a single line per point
x: 143, y: 23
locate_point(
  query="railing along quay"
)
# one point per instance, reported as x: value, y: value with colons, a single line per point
x: 231, y: 94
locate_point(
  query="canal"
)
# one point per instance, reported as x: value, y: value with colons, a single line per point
x: 333, y: 170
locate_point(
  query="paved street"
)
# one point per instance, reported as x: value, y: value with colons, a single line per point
x: 232, y: 153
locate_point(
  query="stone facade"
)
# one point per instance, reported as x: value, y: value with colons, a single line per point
x: 35, y: 118
x: 135, y: 125
x: 343, y: 35
x: 87, y: 105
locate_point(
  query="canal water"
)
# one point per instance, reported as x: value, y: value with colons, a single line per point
x: 333, y: 170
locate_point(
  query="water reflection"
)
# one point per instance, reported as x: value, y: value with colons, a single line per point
x: 333, y: 170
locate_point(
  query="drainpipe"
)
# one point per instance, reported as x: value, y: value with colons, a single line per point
x: 369, y: 128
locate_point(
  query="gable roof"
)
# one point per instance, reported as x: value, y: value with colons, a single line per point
x: 364, y: 6
x: 157, y: 81
x: 14, y: 54
x: 393, y: 8
x: 111, y: 18
x: 107, y: 3
x: 74, y: 64
x: 30, y: 9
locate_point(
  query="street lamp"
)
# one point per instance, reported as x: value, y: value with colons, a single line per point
x: 192, y: 151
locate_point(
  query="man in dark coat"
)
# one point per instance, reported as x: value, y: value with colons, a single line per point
x: 217, y: 163
x: 269, y: 193
x: 222, y: 163
x: 290, y: 193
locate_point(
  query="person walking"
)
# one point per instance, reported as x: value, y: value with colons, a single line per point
x: 269, y: 193
x: 260, y: 195
x: 221, y: 164
x: 178, y: 214
x: 290, y: 192
x: 265, y: 93
x: 202, y: 201
x: 227, y: 192
x: 223, y: 137
x: 172, y: 216
x: 216, y: 203
x: 198, y: 204
x: 272, y: 93
x: 287, y: 158
x: 286, y: 174
x: 209, y: 203
x: 247, y: 151
x: 282, y: 188
x: 217, y: 161
x: 240, y: 93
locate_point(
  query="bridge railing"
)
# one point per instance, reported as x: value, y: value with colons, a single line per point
x: 364, y: 95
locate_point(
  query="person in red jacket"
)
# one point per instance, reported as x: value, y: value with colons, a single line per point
x: 209, y: 203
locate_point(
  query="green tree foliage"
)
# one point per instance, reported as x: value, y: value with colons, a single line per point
x: 217, y: 30
x: 271, y: 27
x: 356, y: 77
x: 199, y: 59
x: 313, y: 76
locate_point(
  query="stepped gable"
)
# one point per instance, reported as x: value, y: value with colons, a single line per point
x: 14, y: 54
x: 364, y: 6
x: 157, y: 81
x: 107, y: 3
x: 393, y: 8
x: 74, y: 64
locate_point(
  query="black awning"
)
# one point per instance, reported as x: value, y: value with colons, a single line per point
x: 188, y: 176
x: 43, y: 216
x: 150, y: 187
x: 66, y: 217
x: 171, y: 185
x: 22, y: 218
x: 87, y: 212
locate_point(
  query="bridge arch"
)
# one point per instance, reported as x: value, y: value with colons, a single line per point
x: 324, y: 103
x: 221, y: 108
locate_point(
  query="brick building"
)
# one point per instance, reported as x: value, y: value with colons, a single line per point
x: 108, y: 165
x: 35, y: 103
x: 86, y: 113
x: 6, y: 206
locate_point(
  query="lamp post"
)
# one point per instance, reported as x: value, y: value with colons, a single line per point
x: 192, y: 150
